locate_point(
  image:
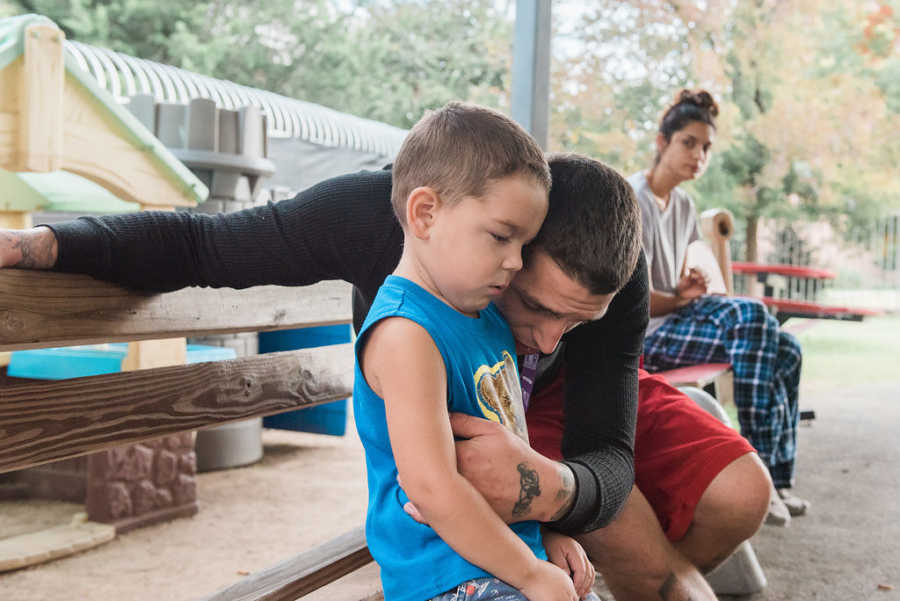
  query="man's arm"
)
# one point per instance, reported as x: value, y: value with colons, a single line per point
x: 518, y: 482
x: 34, y: 248
x: 342, y: 228
x: 601, y: 392
x: 589, y: 488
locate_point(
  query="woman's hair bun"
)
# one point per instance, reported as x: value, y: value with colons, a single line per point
x: 699, y: 98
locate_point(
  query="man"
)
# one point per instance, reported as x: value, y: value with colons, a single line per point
x: 584, y: 398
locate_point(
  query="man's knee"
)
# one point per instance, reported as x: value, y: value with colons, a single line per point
x: 736, y: 501
x: 636, y: 559
x: 632, y: 542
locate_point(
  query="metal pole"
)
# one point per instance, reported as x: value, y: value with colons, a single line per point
x: 531, y: 67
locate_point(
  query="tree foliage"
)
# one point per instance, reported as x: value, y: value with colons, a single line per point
x: 382, y: 60
x: 808, y: 93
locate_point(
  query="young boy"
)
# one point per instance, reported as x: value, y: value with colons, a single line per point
x: 470, y: 190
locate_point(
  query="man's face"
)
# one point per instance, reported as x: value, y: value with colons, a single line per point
x: 542, y: 303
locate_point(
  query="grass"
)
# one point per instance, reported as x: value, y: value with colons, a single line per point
x: 841, y: 353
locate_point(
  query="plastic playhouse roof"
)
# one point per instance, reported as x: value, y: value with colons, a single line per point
x: 58, y: 191
x: 12, y: 31
x: 124, y: 76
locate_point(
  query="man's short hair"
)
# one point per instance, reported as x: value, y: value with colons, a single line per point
x: 459, y: 149
x: 593, y: 226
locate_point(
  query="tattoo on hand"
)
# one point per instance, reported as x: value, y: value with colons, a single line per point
x: 674, y: 590
x: 529, y: 489
x: 566, y: 493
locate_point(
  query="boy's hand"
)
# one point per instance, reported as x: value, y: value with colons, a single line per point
x: 566, y: 553
x: 546, y: 582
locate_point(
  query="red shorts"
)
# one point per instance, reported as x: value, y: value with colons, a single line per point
x: 679, y: 448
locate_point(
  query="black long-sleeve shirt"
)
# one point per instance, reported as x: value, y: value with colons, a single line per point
x: 344, y: 229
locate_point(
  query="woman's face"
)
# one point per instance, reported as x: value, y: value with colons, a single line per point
x: 686, y: 154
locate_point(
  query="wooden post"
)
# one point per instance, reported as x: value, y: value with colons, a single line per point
x: 42, y: 99
x: 108, y: 496
x: 155, y: 353
x: 15, y: 220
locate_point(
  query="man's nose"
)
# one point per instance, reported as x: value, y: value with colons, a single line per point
x: 548, y: 335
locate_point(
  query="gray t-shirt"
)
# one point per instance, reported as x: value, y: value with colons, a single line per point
x: 666, y: 236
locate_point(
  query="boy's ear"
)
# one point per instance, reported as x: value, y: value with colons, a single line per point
x: 422, y: 205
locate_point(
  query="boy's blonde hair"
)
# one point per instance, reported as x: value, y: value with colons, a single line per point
x: 459, y: 149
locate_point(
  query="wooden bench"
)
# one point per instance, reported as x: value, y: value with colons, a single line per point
x: 47, y: 421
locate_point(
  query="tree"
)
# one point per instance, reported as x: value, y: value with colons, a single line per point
x: 808, y: 123
x: 388, y: 61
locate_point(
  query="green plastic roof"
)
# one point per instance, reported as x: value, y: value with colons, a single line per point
x: 58, y: 191
x: 12, y: 32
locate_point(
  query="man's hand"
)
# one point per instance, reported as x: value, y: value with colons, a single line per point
x: 571, y: 558
x: 517, y: 481
x: 28, y: 249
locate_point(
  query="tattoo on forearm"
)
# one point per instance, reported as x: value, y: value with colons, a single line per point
x: 674, y: 590
x: 566, y: 493
x: 36, y: 252
x: 529, y: 489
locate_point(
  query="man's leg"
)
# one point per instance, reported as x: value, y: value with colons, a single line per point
x: 707, y: 487
x: 638, y: 562
x: 730, y: 511
x: 680, y: 452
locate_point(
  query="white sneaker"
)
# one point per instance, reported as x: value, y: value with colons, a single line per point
x: 795, y: 505
x: 778, y: 514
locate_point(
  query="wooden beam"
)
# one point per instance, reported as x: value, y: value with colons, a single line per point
x: 43, y: 309
x: 42, y: 98
x: 303, y: 573
x: 15, y: 220
x: 47, y: 421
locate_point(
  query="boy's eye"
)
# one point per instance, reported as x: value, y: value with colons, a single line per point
x: 500, y: 238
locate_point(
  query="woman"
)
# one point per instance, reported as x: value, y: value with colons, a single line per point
x: 688, y: 326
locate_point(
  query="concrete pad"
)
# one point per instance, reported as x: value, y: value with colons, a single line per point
x: 37, y: 547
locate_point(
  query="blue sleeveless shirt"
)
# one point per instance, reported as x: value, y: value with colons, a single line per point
x: 482, y: 380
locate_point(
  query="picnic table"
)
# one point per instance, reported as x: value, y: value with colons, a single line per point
x: 793, y: 290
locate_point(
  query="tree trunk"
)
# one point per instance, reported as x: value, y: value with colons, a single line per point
x: 754, y: 288
x: 751, y: 248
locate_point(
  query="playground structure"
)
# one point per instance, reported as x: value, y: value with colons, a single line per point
x: 55, y: 121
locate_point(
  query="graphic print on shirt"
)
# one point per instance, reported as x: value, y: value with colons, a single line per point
x: 499, y: 396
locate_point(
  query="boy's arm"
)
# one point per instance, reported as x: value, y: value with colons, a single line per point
x: 402, y: 365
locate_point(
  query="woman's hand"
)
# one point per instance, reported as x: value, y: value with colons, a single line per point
x: 692, y: 285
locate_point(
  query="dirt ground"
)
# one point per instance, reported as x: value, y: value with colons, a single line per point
x: 310, y: 488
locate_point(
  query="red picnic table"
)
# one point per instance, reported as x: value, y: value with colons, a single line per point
x: 805, y: 281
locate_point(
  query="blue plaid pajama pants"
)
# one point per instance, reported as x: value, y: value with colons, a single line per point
x: 766, y: 362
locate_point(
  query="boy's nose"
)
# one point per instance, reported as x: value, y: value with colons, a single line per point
x: 513, y: 261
